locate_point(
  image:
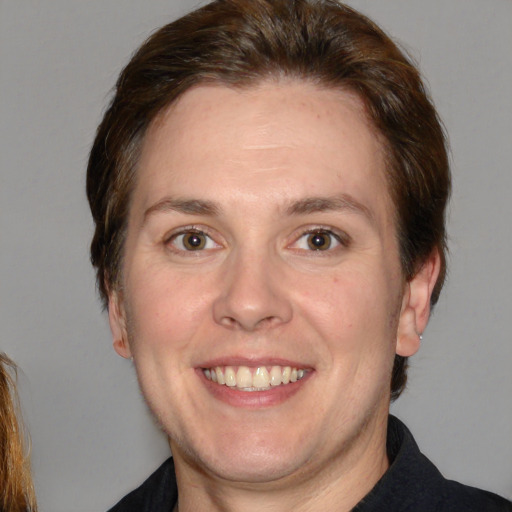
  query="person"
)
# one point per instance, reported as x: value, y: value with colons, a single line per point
x: 16, y: 487
x: 269, y: 187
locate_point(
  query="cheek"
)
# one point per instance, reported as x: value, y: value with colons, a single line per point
x: 352, y: 312
x: 164, y: 309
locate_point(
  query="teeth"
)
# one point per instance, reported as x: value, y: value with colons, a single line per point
x: 220, y: 376
x: 276, y: 376
x: 254, y: 379
x: 261, y: 378
x: 244, y: 377
x: 230, y: 377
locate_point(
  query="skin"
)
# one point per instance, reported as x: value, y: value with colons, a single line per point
x: 251, y: 161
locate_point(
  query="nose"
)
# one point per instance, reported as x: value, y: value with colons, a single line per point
x: 253, y: 295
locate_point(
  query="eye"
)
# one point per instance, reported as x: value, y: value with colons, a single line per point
x: 318, y: 240
x: 192, y: 240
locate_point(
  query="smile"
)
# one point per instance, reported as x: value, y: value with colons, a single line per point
x: 260, y: 378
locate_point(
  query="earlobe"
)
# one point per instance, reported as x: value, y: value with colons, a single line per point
x: 416, y: 306
x: 117, y: 323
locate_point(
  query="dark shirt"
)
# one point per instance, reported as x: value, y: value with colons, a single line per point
x: 411, y: 484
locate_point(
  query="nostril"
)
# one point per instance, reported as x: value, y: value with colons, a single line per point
x: 250, y: 299
x: 228, y: 321
x: 246, y: 324
x: 268, y: 321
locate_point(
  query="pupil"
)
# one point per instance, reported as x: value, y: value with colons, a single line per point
x: 194, y: 241
x: 319, y: 241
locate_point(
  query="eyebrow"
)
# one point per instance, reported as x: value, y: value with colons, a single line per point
x: 308, y: 205
x: 186, y: 206
x: 342, y: 202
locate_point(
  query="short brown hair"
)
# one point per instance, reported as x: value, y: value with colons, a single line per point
x: 241, y: 42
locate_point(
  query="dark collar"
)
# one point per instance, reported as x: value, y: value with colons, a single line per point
x: 411, y: 484
x: 409, y: 470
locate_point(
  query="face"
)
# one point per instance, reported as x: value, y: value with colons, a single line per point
x: 263, y: 300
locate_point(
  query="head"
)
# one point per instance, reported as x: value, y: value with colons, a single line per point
x: 241, y: 43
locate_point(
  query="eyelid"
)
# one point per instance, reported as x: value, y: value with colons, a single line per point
x: 183, y: 230
x: 195, y: 228
x: 339, y: 236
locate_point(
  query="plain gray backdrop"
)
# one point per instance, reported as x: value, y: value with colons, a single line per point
x: 92, y: 438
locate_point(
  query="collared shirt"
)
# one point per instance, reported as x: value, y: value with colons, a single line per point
x: 411, y: 484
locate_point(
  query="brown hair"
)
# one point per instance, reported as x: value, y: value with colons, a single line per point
x: 241, y: 42
x: 16, y: 488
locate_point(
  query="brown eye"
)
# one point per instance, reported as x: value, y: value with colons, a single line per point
x: 189, y: 241
x: 194, y: 241
x: 319, y: 241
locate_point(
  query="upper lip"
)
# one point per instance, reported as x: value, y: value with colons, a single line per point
x: 251, y: 362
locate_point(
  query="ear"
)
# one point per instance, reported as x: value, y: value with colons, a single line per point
x: 117, y: 320
x: 416, y: 306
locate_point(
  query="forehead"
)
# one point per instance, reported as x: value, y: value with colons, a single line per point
x: 276, y: 140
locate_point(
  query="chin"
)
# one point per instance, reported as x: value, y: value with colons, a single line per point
x: 246, y: 458
x: 254, y: 468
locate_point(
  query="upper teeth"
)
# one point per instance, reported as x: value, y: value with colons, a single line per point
x: 253, y: 379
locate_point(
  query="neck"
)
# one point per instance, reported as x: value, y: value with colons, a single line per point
x: 340, y: 483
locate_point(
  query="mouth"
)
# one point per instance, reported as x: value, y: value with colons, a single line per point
x: 257, y: 378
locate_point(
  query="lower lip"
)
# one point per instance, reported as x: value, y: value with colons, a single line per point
x: 254, y: 399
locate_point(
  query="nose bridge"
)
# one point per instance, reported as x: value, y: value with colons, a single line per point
x: 252, y: 294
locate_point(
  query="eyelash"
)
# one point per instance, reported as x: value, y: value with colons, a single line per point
x: 170, y: 240
x: 342, y: 240
x: 339, y: 239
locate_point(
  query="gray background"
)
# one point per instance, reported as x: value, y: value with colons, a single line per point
x: 92, y: 437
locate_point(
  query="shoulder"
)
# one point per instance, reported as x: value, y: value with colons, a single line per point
x: 158, y: 493
x: 430, y: 489
x: 413, y: 484
x: 456, y: 496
